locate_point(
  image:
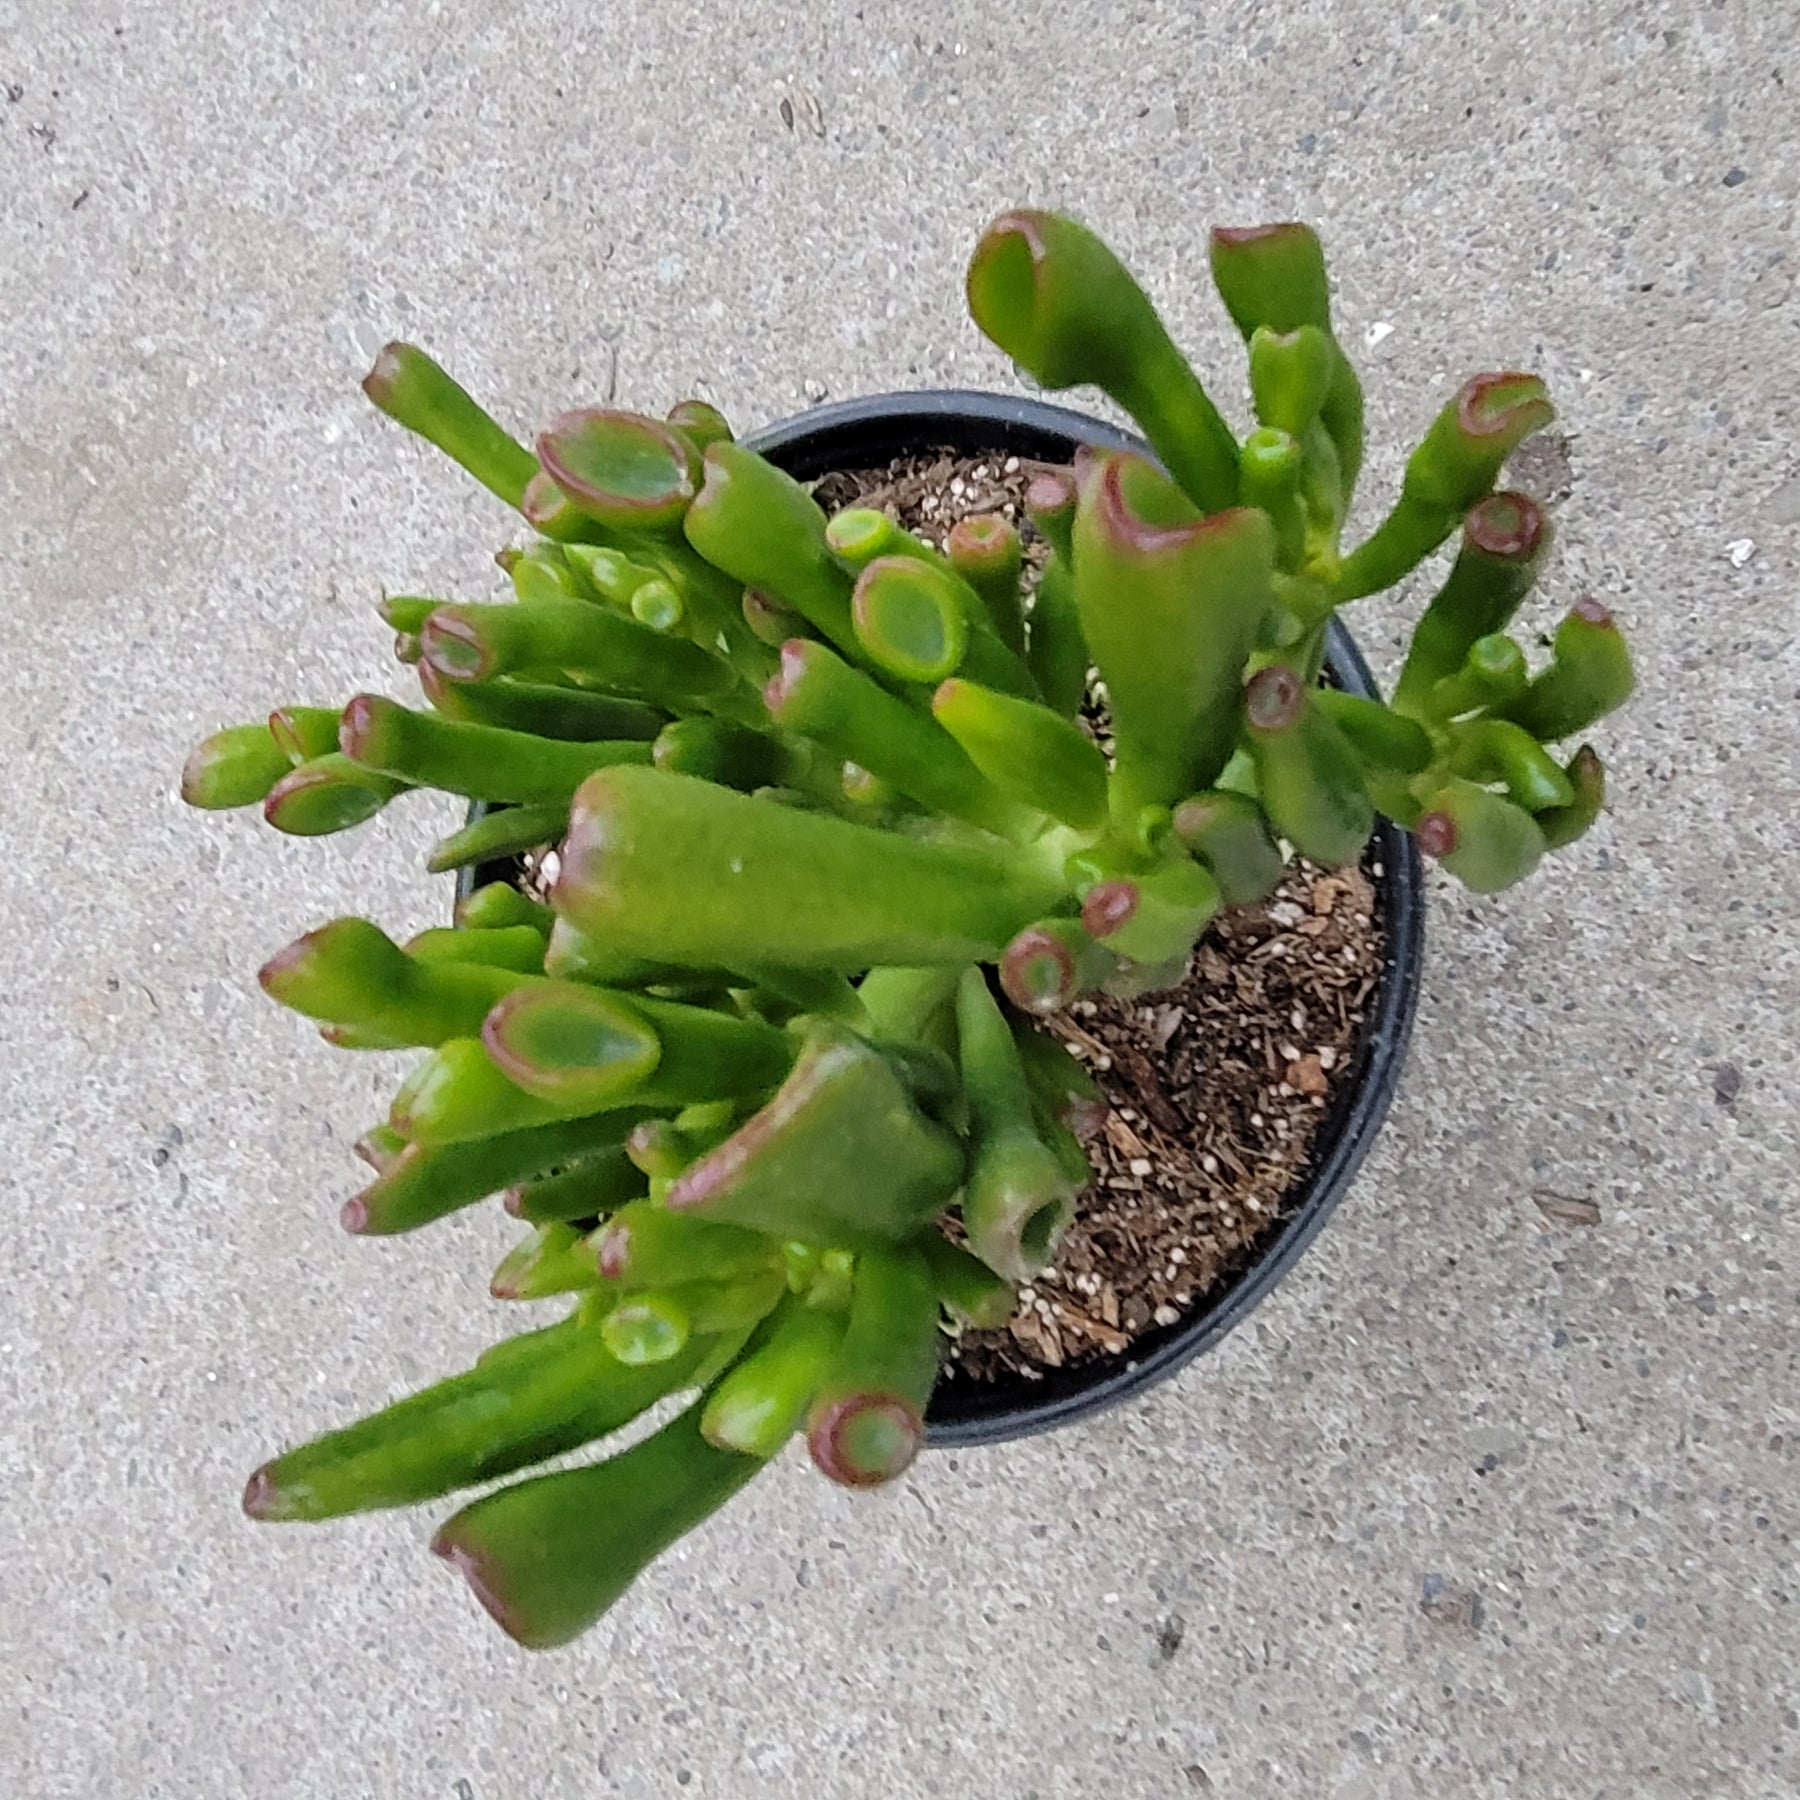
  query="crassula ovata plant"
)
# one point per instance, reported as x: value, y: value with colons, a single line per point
x: 833, y: 828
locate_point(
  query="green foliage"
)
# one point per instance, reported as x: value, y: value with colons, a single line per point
x: 833, y: 831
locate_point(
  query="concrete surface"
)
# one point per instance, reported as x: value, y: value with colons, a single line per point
x: 1480, y: 1503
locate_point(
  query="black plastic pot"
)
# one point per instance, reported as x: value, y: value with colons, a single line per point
x: 859, y: 434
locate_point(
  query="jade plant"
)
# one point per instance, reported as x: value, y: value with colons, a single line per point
x: 838, y: 815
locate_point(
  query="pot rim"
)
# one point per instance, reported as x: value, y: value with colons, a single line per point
x: 872, y: 430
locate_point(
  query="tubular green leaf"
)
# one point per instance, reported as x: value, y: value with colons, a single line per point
x: 663, y: 865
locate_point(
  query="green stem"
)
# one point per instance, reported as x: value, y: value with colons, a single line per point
x: 663, y: 865
x: 840, y: 1156
x: 547, y: 1557
x: 818, y: 695
x: 506, y: 831
x: 985, y: 551
x: 547, y: 1393
x: 867, y: 1421
x: 1057, y: 301
x: 425, y: 1182
x: 552, y: 1260
x: 483, y: 762
x: 410, y: 388
x: 592, y: 1187
x: 761, y: 1402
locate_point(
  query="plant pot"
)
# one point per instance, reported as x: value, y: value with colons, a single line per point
x: 870, y: 433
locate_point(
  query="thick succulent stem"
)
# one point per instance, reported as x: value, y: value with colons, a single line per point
x: 1050, y: 501
x: 425, y: 1183
x: 498, y: 904
x: 410, y: 388
x: 632, y: 474
x: 457, y: 1095
x: 544, y: 709
x: 759, y: 1404
x: 904, y: 1004
x: 985, y: 551
x: 1229, y: 833
x: 732, y: 755
x: 916, y: 619
x: 1171, y: 608
x: 1063, y: 307
x: 840, y: 1155
x: 1452, y: 468
x: 1017, y: 1202
x: 648, y: 1246
x: 652, y: 1324
x: 1485, y: 841
x: 592, y: 1187
x: 572, y: 955
x: 1504, y: 541
x: 1057, y: 652
x: 350, y: 972
x: 544, y: 572
x: 547, y: 1557
x: 1039, y: 758
x: 867, y: 1421
x: 506, y: 831
x: 478, y: 643
x: 1492, y: 676
x: 1048, y: 964
x: 1586, y: 775
x: 1590, y: 676
x: 551, y: 1392
x: 1154, y: 917
x: 1061, y: 1088
x: 1382, y: 738
x: 818, y: 695
x: 1309, y: 776
x: 662, y: 1148
x: 516, y: 947
x: 552, y: 1260
x: 305, y: 732
x: 234, y: 767
x: 583, y: 1048
x: 328, y: 794
x: 1490, y: 750
x: 1272, y: 473
x: 911, y: 621
x: 484, y: 762
x: 552, y: 514
x: 664, y: 865
x: 701, y: 423
x: 770, y: 622
x: 967, y: 1286
x: 1273, y: 277
x: 764, y: 529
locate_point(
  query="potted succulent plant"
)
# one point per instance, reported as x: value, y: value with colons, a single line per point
x: 835, y: 833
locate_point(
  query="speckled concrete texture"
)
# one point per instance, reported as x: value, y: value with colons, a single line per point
x: 1482, y: 1502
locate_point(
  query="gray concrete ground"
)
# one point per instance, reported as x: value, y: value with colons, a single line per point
x: 1481, y: 1503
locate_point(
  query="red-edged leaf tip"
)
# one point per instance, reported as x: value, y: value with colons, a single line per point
x: 863, y: 1440
x: 1273, y: 698
x: 1108, y: 906
x: 262, y: 1498
x: 453, y: 647
x: 388, y: 368
x: 468, y: 1565
x: 1505, y: 524
x: 1436, y: 833
x: 1501, y: 402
